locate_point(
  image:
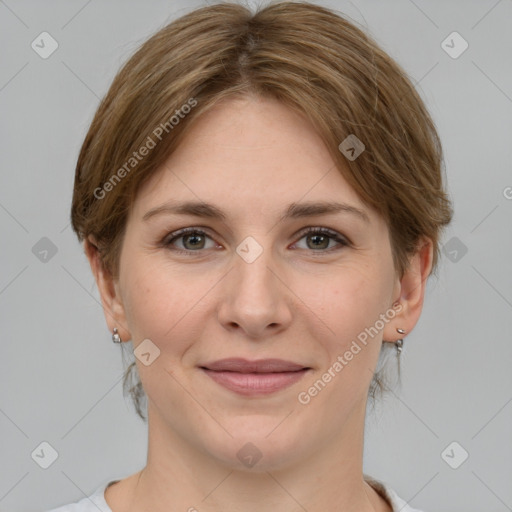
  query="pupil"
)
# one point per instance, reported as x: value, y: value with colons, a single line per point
x: 196, y: 237
x: 319, y: 238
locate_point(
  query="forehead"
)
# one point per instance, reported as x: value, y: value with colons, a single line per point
x: 249, y: 151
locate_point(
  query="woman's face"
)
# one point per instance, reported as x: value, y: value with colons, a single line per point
x: 255, y: 285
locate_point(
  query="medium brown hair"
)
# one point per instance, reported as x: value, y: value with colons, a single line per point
x: 306, y: 56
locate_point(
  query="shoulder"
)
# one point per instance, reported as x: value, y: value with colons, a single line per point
x: 397, y: 503
x: 93, y: 503
x: 96, y: 501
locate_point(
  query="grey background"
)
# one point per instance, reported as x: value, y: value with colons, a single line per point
x: 60, y: 373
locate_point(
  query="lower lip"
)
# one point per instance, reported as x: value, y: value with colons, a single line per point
x: 255, y: 383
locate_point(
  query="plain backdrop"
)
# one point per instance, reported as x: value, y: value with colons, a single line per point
x: 60, y: 373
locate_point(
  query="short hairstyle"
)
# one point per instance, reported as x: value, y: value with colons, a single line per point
x: 307, y: 57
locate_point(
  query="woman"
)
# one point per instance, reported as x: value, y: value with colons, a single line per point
x: 260, y: 199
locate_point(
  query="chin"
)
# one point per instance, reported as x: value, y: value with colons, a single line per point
x: 261, y: 447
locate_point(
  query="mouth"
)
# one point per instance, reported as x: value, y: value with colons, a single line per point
x: 259, y: 377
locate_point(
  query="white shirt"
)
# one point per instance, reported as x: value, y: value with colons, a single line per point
x: 96, y: 501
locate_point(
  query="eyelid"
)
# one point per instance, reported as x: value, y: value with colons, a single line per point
x: 339, y: 237
x: 341, y: 241
x: 179, y: 233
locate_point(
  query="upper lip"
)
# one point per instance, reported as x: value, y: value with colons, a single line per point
x: 241, y: 365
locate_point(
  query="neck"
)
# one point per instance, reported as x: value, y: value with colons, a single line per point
x: 181, y: 476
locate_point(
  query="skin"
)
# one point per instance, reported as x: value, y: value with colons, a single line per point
x: 252, y: 157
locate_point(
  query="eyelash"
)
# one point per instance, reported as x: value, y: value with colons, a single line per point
x: 172, y: 237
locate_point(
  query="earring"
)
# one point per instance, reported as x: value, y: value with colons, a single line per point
x: 399, y: 343
x: 115, y: 336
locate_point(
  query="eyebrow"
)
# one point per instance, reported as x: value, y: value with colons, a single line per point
x: 294, y: 210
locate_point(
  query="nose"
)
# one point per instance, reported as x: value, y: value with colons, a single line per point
x: 255, y: 299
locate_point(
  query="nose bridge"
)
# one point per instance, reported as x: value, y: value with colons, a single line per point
x: 255, y: 299
x: 254, y: 280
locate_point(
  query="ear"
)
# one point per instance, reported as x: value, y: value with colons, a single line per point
x: 411, y: 292
x: 111, y: 301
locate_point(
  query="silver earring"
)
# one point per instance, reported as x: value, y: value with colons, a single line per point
x: 115, y: 336
x: 399, y: 343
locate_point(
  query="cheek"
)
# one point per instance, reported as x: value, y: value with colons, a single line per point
x: 163, y: 305
x: 347, y: 304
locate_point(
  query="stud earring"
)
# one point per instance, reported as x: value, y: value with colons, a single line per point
x: 115, y: 336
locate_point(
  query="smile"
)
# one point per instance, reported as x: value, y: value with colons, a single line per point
x: 254, y: 377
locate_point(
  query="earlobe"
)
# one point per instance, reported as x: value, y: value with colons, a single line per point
x: 412, y: 291
x: 113, y: 308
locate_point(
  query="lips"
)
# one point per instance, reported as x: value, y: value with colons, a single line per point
x: 253, y: 378
x: 241, y: 365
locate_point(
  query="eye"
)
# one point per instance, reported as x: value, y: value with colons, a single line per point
x: 320, y: 240
x: 191, y: 239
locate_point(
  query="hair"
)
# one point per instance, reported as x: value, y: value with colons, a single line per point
x: 307, y: 57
